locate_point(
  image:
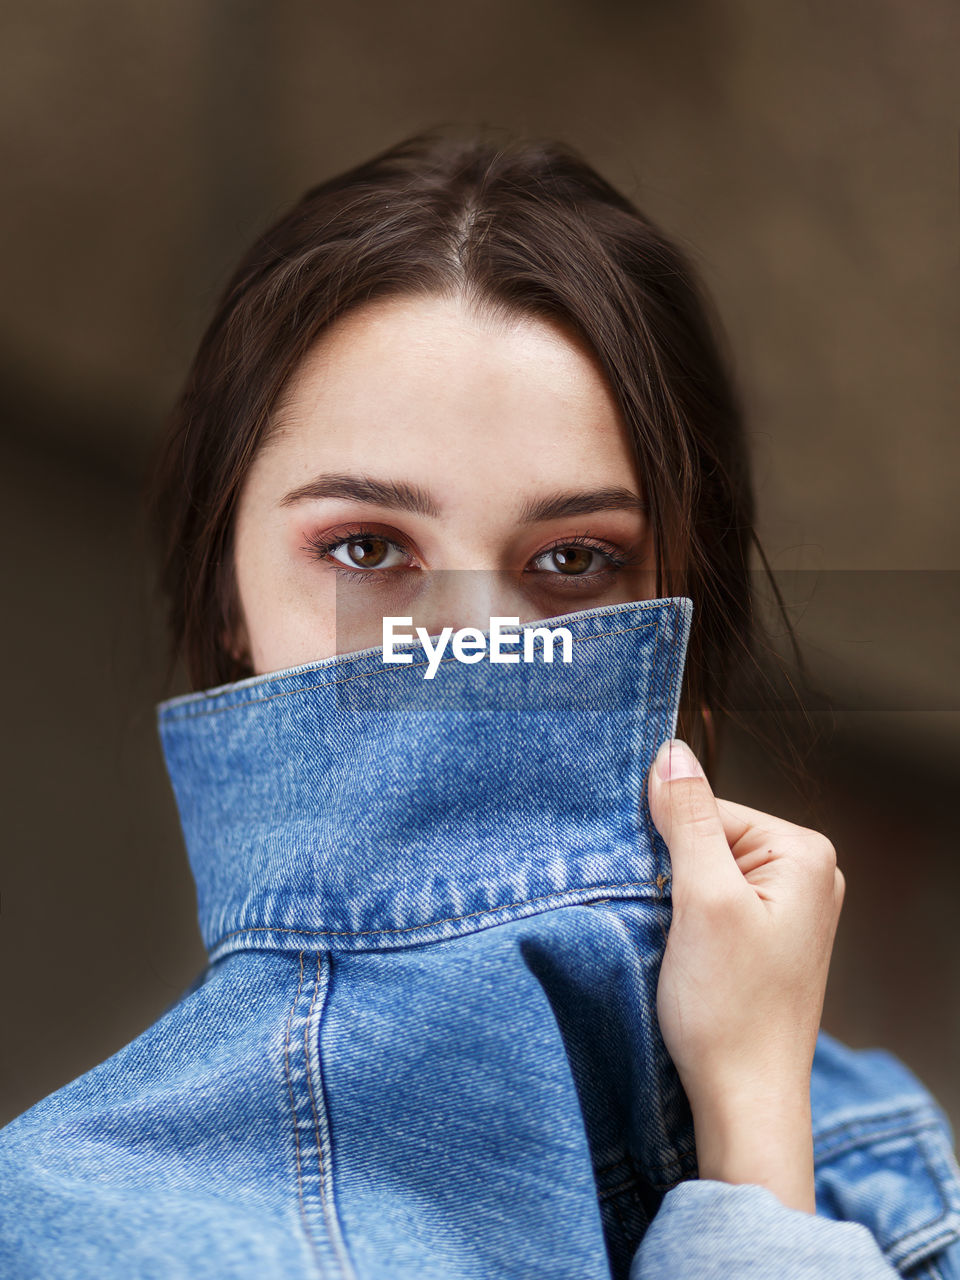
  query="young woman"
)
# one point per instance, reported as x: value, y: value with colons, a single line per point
x: 444, y: 1030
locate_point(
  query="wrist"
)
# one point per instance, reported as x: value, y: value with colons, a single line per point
x: 765, y: 1139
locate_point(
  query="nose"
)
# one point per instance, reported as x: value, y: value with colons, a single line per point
x: 436, y: 598
x: 465, y: 598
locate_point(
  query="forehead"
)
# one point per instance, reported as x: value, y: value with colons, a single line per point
x: 415, y: 380
x: 442, y: 351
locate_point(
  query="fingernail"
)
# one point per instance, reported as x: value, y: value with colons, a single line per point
x: 676, y: 760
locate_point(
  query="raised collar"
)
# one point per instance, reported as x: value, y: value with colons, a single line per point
x: 348, y: 804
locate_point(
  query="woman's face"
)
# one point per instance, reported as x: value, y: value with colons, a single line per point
x: 435, y: 465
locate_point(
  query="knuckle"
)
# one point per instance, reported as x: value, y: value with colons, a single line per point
x: 703, y: 825
x: 818, y: 852
x: 826, y: 854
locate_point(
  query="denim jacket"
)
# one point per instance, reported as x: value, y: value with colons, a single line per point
x: 425, y: 1043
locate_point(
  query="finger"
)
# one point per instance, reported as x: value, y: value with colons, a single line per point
x: 738, y: 819
x: 685, y: 812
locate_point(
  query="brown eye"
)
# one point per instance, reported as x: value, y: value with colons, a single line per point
x: 572, y: 560
x: 365, y: 553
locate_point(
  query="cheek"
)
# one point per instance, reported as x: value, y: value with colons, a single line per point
x: 287, y: 606
x: 288, y: 634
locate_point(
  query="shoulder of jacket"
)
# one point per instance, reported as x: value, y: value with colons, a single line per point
x: 884, y: 1154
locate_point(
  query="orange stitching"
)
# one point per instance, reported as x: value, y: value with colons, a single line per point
x: 486, y: 911
x: 362, y: 675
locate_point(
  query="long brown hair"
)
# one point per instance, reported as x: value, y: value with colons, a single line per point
x: 523, y: 227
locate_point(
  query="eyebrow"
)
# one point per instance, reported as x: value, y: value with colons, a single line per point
x: 407, y: 497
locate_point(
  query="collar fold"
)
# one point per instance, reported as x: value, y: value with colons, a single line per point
x: 353, y: 805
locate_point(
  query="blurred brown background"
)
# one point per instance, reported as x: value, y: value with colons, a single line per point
x: 805, y: 153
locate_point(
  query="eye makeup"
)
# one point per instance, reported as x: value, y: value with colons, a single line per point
x: 320, y: 547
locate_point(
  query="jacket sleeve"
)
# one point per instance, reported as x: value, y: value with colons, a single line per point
x: 709, y: 1230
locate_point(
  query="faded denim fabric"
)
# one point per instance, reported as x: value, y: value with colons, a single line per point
x: 709, y: 1229
x: 425, y: 1045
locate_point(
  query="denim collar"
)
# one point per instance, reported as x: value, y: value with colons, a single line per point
x: 352, y: 805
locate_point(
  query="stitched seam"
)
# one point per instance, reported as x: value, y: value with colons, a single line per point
x: 926, y: 1271
x: 630, y: 1183
x: 486, y: 911
x: 929, y: 1272
x: 879, y: 1125
x: 921, y: 1251
x: 669, y: 683
x: 313, y: 1104
x: 293, y: 1112
x: 363, y: 675
x: 868, y: 1138
x: 913, y: 1109
x: 321, y: 983
x: 922, y: 1233
x: 645, y: 799
x: 864, y: 1141
x: 624, y: 1162
x: 920, y: 1236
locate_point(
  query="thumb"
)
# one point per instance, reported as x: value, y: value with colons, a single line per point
x: 685, y: 812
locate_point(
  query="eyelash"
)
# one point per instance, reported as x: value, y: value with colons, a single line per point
x: 320, y: 549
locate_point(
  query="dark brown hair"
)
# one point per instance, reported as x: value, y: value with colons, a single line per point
x: 520, y: 227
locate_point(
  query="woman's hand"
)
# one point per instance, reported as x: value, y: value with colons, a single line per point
x: 756, y: 902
